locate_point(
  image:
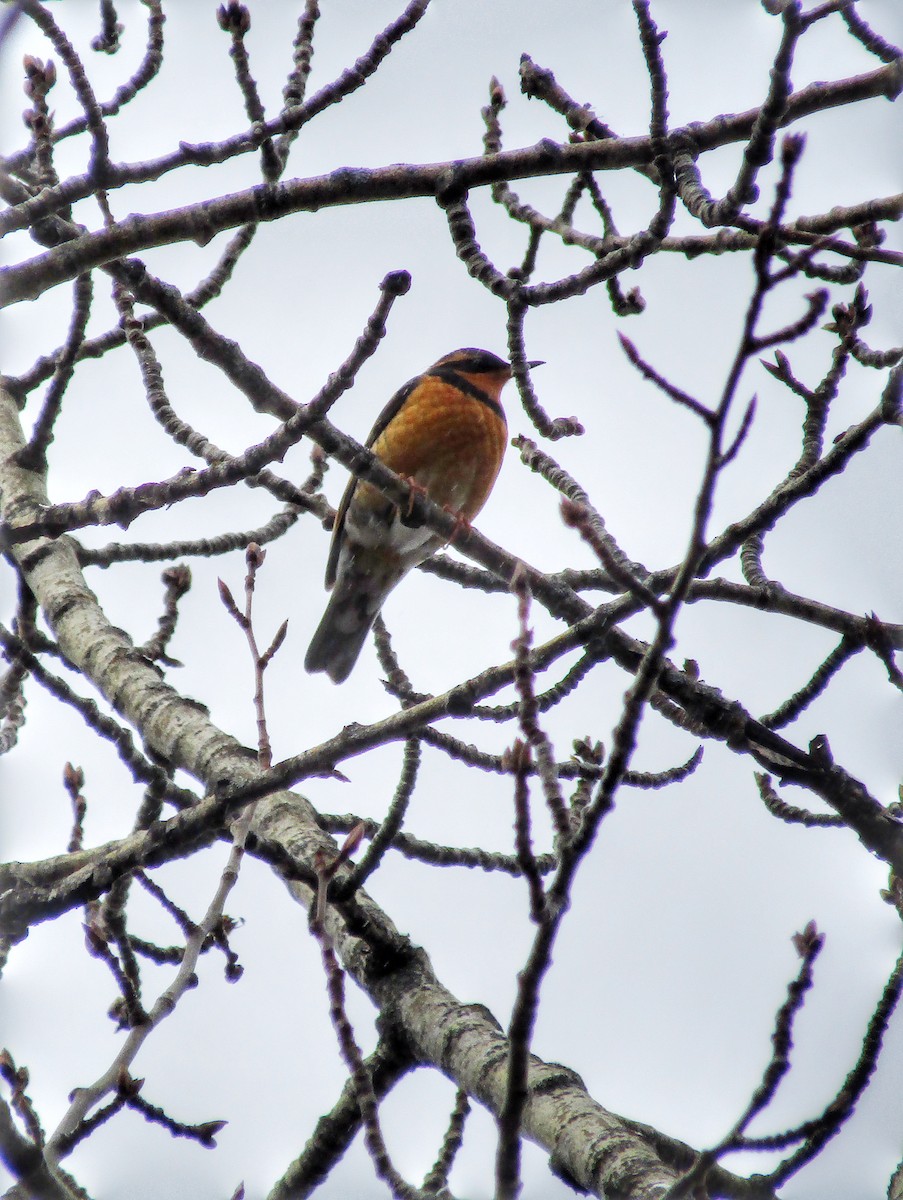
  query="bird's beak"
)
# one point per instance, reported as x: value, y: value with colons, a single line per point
x: 539, y: 362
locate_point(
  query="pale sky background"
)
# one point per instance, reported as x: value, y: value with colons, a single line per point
x: 677, y: 953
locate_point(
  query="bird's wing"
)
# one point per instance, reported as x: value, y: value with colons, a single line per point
x: 338, y: 528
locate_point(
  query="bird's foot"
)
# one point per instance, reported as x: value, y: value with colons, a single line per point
x: 462, y: 524
x: 417, y: 489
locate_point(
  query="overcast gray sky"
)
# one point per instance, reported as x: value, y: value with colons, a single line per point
x: 677, y: 952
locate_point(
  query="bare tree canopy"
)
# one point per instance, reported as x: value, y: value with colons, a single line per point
x: 588, y: 879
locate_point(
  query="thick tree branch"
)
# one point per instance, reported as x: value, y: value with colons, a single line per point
x: 438, y: 1027
x: 357, y: 185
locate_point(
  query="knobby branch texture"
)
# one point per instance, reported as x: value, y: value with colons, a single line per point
x: 685, y: 583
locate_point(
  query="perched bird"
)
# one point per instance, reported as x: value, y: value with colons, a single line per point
x: 444, y: 431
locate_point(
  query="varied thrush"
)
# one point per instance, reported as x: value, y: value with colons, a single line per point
x: 445, y: 432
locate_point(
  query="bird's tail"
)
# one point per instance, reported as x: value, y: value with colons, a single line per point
x: 352, y: 608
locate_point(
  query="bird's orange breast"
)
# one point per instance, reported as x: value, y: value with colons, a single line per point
x: 447, y: 441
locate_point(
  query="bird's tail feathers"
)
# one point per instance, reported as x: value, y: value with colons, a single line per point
x: 350, y: 613
x: 335, y: 651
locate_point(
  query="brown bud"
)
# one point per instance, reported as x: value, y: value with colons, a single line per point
x: 234, y: 18
x: 73, y: 778
x: 178, y: 578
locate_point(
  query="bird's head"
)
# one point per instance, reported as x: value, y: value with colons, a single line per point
x: 481, y: 367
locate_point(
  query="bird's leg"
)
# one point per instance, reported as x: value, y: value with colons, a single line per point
x: 461, y: 521
x: 417, y: 489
